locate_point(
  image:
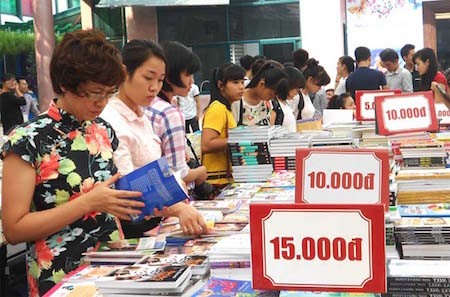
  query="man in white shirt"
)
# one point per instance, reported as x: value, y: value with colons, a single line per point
x: 190, y: 108
x: 397, y: 77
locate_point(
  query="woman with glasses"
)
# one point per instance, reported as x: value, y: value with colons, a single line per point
x: 145, y: 69
x: 58, y: 168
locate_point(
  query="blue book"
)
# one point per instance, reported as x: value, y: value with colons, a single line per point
x: 158, y: 184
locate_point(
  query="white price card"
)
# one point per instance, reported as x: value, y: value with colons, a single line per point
x: 342, y: 176
x: 414, y: 112
x: 318, y: 247
x: 365, y: 103
x: 442, y: 113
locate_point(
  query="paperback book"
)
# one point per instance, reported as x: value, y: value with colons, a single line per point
x: 158, y: 185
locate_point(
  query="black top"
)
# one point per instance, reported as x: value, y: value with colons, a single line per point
x: 11, y: 115
x: 364, y: 78
x: 416, y: 80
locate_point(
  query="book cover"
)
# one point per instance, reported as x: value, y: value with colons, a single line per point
x: 159, y: 186
x: 328, y: 294
x: 229, y: 287
x: 73, y: 290
x: 92, y: 272
x: 425, y: 210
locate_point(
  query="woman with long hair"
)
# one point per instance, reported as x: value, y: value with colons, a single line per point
x: 427, y: 66
x: 227, y: 86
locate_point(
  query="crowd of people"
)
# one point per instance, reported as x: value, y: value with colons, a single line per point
x: 117, y: 111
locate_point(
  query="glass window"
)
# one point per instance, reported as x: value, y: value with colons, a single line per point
x: 443, y: 42
x: 110, y: 21
x: 192, y: 24
x: 210, y: 57
x: 265, y: 21
x: 281, y: 52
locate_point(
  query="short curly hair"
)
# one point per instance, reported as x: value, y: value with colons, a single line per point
x: 82, y: 56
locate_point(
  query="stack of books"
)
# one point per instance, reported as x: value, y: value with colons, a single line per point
x: 249, y: 152
x: 282, y: 150
x: 423, y: 238
x: 230, y: 257
x: 416, y: 278
x: 423, y: 155
x: 335, y: 141
x: 423, y: 186
x: 127, y: 251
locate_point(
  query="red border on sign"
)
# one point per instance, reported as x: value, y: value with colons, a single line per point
x: 304, y: 153
x: 359, y: 107
x: 373, y: 213
x: 380, y: 119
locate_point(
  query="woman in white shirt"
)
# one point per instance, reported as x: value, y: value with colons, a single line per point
x: 282, y: 114
x: 145, y: 67
x: 345, y: 66
x: 315, y: 77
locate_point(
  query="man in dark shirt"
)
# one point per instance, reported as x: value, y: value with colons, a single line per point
x: 11, y: 99
x: 407, y: 52
x: 364, y: 78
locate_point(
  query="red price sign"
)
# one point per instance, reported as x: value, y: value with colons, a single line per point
x: 413, y: 112
x: 342, y: 176
x: 442, y: 113
x: 318, y: 247
x: 365, y: 103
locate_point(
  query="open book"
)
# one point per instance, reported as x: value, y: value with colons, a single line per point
x: 159, y: 186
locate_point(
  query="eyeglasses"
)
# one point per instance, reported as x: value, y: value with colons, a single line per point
x: 96, y: 96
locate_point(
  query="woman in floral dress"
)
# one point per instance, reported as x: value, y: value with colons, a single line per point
x: 58, y: 168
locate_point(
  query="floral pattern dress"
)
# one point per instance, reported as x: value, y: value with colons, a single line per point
x: 69, y: 157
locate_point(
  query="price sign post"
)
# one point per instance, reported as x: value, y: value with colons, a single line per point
x: 338, y: 248
x: 406, y: 113
x: 365, y: 103
x: 342, y: 176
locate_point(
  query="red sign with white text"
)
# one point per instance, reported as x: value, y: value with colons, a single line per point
x: 413, y: 112
x: 365, y: 103
x: 338, y: 248
x: 342, y: 176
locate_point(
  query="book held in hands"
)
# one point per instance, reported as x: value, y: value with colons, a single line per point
x: 158, y: 184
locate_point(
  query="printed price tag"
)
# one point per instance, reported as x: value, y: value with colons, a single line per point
x: 342, y: 176
x: 365, y: 103
x: 413, y: 112
x: 442, y: 113
x: 318, y: 247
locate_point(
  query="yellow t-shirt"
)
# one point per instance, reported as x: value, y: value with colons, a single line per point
x: 218, y: 118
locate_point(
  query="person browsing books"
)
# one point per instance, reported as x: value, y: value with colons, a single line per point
x: 427, y: 66
x: 227, y: 87
x: 144, y: 64
x: 58, y: 168
x: 253, y: 109
x: 282, y: 114
x: 168, y: 121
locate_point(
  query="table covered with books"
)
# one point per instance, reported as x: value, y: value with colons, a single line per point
x: 168, y: 263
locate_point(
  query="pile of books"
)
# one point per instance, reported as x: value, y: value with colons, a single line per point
x: 230, y: 257
x: 282, y: 150
x: 423, y: 186
x: 423, y: 155
x: 249, y: 152
x: 335, y: 141
x: 127, y: 251
x: 414, y: 278
x: 159, y: 275
x: 423, y: 238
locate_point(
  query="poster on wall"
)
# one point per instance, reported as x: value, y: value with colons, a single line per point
x: 380, y: 24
